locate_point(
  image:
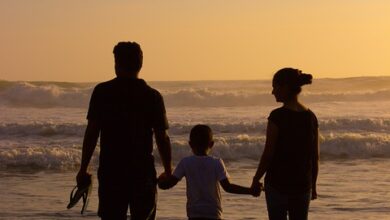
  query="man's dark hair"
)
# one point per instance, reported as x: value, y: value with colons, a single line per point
x: 201, y: 136
x: 128, y: 57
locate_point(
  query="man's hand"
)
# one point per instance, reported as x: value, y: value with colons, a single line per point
x: 83, y: 178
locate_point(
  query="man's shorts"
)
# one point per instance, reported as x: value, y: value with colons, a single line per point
x: 138, y: 194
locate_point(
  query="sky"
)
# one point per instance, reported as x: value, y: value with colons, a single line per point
x: 72, y: 40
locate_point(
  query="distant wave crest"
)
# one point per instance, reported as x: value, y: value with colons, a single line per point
x: 341, y: 125
x: 24, y: 94
x: 44, y: 95
x: 40, y: 157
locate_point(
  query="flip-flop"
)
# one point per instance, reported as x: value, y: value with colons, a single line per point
x: 81, y: 192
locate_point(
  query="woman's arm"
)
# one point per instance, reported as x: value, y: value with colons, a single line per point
x: 269, y: 149
x: 316, y: 158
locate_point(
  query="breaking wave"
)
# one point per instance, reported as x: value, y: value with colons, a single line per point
x: 230, y: 148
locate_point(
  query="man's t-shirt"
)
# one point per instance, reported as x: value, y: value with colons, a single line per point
x: 203, y: 174
x: 290, y: 170
x: 128, y: 111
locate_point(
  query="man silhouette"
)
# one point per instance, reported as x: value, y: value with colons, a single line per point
x: 126, y: 112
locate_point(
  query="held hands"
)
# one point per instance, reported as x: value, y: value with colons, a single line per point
x: 256, y: 188
x: 163, y: 181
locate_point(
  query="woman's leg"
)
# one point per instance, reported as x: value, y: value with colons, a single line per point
x: 277, y: 204
x: 202, y: 219
x: 298, y: 206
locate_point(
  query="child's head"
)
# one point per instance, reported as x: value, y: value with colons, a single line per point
x: 201, y: 139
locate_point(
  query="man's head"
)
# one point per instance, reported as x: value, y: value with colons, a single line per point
x: 128, y: 58
x: 201, y: 139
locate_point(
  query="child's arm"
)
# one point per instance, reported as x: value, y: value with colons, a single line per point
x: 167, y: 182
x: 237, y: 189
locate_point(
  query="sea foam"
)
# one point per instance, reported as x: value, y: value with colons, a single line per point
x: 230, y: 148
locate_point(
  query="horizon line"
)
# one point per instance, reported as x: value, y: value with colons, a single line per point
x: 192, y: 80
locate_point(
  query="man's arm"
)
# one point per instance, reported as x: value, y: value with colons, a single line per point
x: 164, y: 148
x: 89, y: 144
x: 316, y: 158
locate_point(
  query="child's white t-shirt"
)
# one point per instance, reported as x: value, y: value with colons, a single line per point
x: 203, y: 174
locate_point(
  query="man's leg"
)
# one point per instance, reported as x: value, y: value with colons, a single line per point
x: 143, y: 198
x: 113, y: 202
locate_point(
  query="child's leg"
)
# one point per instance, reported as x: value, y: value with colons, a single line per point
x: 143, y: 199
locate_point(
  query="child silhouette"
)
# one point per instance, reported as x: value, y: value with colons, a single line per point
x: 203, y: 175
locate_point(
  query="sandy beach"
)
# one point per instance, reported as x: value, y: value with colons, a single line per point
x: 347, y: 190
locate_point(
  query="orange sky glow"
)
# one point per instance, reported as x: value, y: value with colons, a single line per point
x: 194, y: 40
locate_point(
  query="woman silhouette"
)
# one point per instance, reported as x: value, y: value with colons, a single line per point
x: 291, y: 153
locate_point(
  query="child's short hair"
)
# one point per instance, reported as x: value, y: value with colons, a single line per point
x: 201, y: 136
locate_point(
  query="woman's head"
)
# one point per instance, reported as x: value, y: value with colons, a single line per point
x: 287, y: 83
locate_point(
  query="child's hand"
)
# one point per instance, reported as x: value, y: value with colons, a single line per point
x: 256, y: 189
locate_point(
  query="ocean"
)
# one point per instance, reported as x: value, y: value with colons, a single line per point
x: 42, y: 126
